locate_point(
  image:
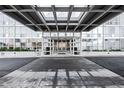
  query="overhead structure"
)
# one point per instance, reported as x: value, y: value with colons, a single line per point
x: 55, y: 16
x: 62, y: 18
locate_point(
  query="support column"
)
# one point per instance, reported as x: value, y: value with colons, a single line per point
x: 119, y: 39
x: 66, y: 41
x: 42, y: 44
x: 50, y: 44
x: 53, y: 50
x: 81, y: 43
x: 14, y: 37
x: 61, y: 43
x: 97, y: 40
x: 36, y: 45
x: 73, y: 42
x: 103, y: 46
x: 119, y: 35
x: 58, y: 42
x: 70, y: 46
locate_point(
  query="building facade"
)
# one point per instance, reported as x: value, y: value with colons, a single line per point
x: 16, y: 37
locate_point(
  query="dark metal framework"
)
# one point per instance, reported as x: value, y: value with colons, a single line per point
x: 92, y: 16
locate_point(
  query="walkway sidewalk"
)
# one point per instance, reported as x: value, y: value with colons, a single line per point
x: 62, y: 72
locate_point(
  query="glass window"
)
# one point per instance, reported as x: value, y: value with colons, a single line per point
x: 6, y: 31
x: 1, y: 18
x: 69, y: 34
x: 80, y: 5
x: 122, y: 31
x: 77, y: 34
x: 12, y: 31
x: 18, y: 31
x: 62, y: 15
x: 61, y: 5
x: 54, y: 34
x: 44, y: 5
x: 122, y: 19
x: 6, y: 20
x: 61, y: 34
x: 1, y: 31
x: 48, y: 14
x: 75, y: 14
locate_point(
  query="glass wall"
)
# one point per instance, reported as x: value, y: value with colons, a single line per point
x: 16, y: 37
x: 108, y: 36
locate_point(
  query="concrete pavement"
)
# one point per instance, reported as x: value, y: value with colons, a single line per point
x: 62, y: 73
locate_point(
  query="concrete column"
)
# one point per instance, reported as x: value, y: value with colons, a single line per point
x: 58, y: 42
x: 50, y: 44
x: 73, y: 42
x: 53, y: 47
x: 36, y: 45
x: 70, y: 45
x: 97, y: 39
x: 81, y: 43
x: 119, y: 35
x: 42, y: 43
x: 103, y: 38
x: 65, y: 41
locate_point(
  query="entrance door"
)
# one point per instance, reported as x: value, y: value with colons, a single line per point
x: 61, y: 46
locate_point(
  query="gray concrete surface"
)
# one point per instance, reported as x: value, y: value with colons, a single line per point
x: 62, y: 73
x: 115, y: 64
x: 10, y: 64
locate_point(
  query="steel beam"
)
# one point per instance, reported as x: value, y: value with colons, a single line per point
x: 88, y: 24
x: 83, y: 17
x: 61, y: 9
x: 85, y: 10
x: 41, y: 17
x: 102, y: 14
x: 13, y: 10
x: 55, y: 16
x: 61, y: 24
x: 26, y: 17
x: 69, y: 16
